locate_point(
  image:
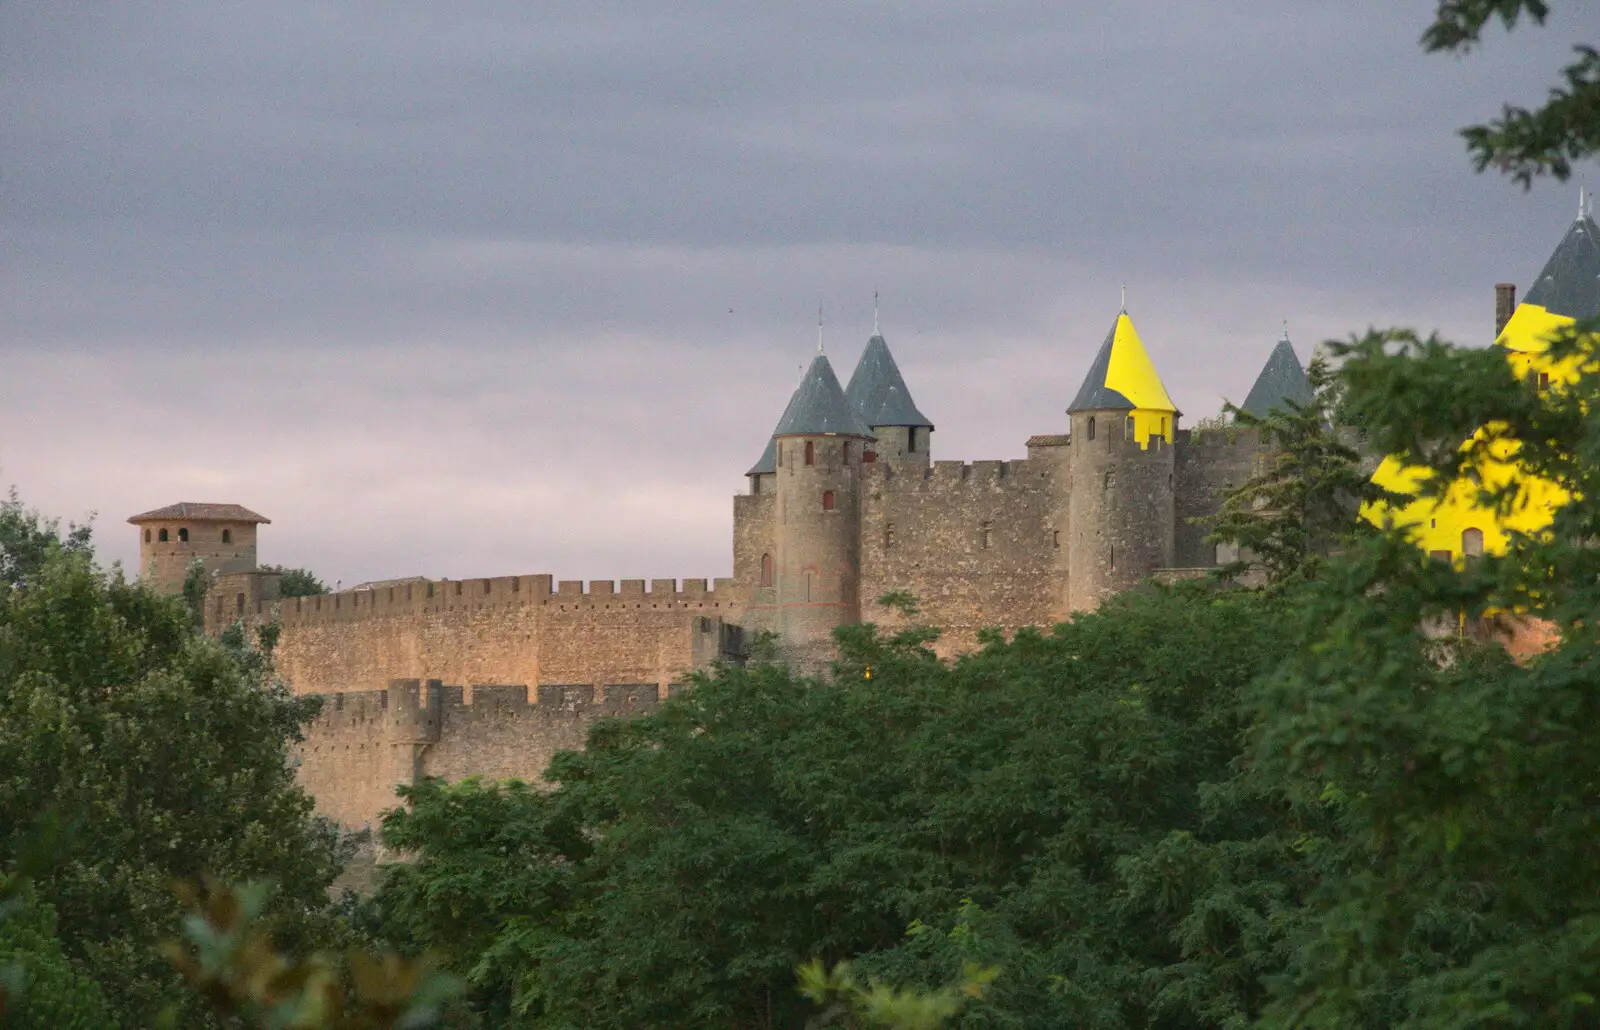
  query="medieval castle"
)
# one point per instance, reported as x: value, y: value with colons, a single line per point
x: 845, y: 504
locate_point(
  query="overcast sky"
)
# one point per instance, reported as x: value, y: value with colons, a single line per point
x: 489, y: 289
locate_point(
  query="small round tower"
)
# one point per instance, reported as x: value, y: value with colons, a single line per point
x: 818, y: 447
x: 1120, y: 513
x: 222, y: 537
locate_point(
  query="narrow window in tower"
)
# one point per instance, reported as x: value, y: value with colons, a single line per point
x: 147, y: 536
x: 766, y: 570
x: 1055, y: 539
x: 808, y: 586
x: 888, y: 535
x: 911, y: 440
x: 1127, y: 429
x: 827, y: 500
x: 240, y: 601
x: 1472, y: 543
x: 183, y: 536
x: 1544, y: 380
x: 811, y: 453
x: 846, y: 452
x: 162, y: 536
x: 985, y: 534
x: 1091, y: 427
x: 1113, y: 557
x: 227, y: 536
x: 780, y: 455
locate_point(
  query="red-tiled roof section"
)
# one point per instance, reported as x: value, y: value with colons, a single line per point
x: 198, y: 512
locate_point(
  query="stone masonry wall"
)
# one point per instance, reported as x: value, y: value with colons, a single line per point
x: 974, y: 544
x: 506, y: 630
x: 1208, y: 466
x: 366, y: 743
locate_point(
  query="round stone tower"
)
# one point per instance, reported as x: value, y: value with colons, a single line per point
x: 818, y: 447
x: 222, y: 537
x: 1120, y: 513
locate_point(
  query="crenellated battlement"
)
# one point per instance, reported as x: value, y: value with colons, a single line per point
x: 942, y: 475
x: 424, y: 596
x: 418, y: 710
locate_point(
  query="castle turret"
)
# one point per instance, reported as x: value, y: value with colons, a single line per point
x: 1282, y: 382
x: 222, y: 537
x: 1120, y: 518
x: 817, y: 452
x: 879, y: 396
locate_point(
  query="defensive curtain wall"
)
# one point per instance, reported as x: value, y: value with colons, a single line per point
x: 496, y: 674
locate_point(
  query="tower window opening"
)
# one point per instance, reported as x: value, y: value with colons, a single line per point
x: 809, y: 574
x: 846, y: 452
x: 911, y: 440
x: 1472, y: 543
x: 1127, y: 429
x: 147, y: 536
x: 827, y: 500
x: 985, y: 534
x: 766, y: 570
x: 811, y: 453
x: 1055, y: 539
x: 239, y: 601
x: 1113, y: 556
x: 161, y: 535
x: 1544, y: 381
x: 888, y: 535
x: 227, y: 536
x: 183, y: 536
x: 1091, y: 427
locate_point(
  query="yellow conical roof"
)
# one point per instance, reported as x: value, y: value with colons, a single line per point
x: 1122, y: 376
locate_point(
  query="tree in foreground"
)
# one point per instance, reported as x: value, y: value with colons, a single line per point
x: 163, y: 754
x: 1019, y: 809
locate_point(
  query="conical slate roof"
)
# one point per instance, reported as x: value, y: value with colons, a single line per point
x: 877, y: 391
x: 1281, y: 380
x: 818, y: 406
x: 1570, y: 282
x: 1122, y: 376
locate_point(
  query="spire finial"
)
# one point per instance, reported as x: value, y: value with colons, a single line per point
x: 1124, y: 298
x: 819, y: 328
x: 1286, y: 330
x: 875, y: 313
x: 1581, y: 211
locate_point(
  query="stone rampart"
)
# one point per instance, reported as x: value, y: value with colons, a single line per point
x: 974, y: 543
x: 365, y: 743
x: 513, y: 629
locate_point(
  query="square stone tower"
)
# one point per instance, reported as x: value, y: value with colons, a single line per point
x: 220, y: 536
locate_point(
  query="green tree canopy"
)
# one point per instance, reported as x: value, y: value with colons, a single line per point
x: 164, y: 752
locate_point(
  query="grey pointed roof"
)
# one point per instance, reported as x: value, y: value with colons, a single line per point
x: 1570, y: 282
x: 819, y: 406
x: 1094, y: 394
x: 878, y: 392
x: 768, y: 462
x: 1281, y: 380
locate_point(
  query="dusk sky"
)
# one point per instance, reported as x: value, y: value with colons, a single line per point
x: 491, y: 289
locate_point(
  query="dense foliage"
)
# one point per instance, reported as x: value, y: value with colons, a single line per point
x: 162, y: 752
x: 1017, y: 809
x: 296, y: 582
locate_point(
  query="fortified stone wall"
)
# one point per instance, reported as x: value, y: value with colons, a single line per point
x: 755, y: 539
x: 1209, y: 465
x: 975, y: 544
x: 365, y: 743
x: 513, y: 629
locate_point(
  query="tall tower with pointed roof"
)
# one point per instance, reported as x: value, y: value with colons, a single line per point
x: 1119, y: 502
x: 1282, y: 381
x: 879, y: 395
x: 817, y: 450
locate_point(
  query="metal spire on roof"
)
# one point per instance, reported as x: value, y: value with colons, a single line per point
x: 1124, y: 298
x: 1581, y: 208
x: 1286, y: 330
x: 875, y: 313
x: 819, y: 328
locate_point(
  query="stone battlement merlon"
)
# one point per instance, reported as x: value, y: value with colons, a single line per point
x: 450, y: 595
x: 394, y: 709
